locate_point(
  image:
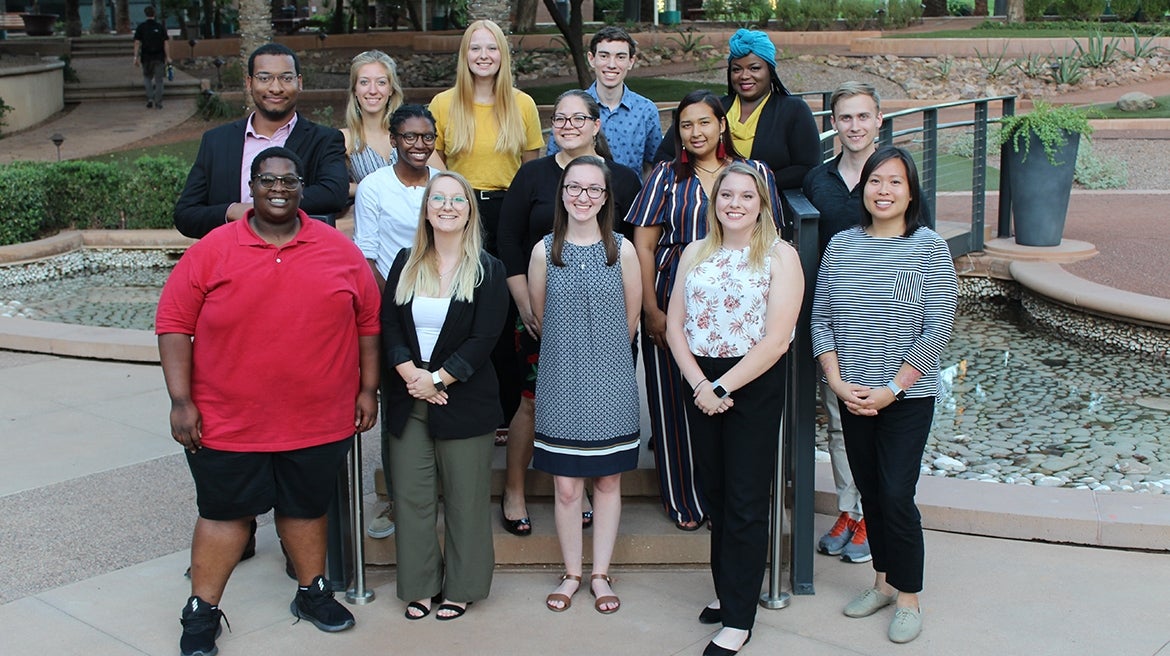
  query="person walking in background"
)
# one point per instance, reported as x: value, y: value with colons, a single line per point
x: 152, y: 52
x: 883, y: 311
x: 268, y: 339
x: 487, y: 128
x: 374, y: 94
x: 833, y: 188
x: 385, y: 215
x: 669, y: 213
x: 218, y: 189
x: 758, y: 103
x: 443, y: 307
x: 732, y: 316
x: 629, y: 121
x: 527, y: 217
x: 585, y: 287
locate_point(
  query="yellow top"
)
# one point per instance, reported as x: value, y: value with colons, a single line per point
x: 483, y: 166
x: 743, y: 135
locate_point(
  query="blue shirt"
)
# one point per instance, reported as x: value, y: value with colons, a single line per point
x: 632, y: 129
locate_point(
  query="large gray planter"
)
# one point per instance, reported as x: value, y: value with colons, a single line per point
x: 1040, y: 190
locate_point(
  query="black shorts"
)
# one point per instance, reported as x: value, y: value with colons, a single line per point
x: 301, y: 484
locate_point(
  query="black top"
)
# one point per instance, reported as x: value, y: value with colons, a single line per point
x: 463, y: 348
x: 527, y: 212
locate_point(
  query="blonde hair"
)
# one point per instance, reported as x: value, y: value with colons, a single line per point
x: 353, y: 109
x: 421, y: 273
x: 764, y: 233
x: 460, y: 134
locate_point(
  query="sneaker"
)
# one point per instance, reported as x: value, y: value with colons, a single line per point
x: 382, y: 526
x: 906, y: 625
x: 201, y: 627
x: 834, y: 541
x: 316, y: 604
x: 867, y: 603
x: 857, y: 549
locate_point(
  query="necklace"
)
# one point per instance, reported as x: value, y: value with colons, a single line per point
x: 710, y: 171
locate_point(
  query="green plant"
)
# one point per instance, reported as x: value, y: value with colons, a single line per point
x: 5, y: 108
x: 324, y: 116
x: 1125, y: 9
x: 689, y: 42
x: 1066, y: 69
x: 856, y: 14
x: 1050, y: 123
x: 942, y: 66
x: 1035, y: 9
x: 903, y: 13
x: 69, y: 73
x: 233, y: 74
x: 745, y: 13
x: 994, y: 65
x: 1095, y: 171
x: 22, y: 197
x: 1098, y: 52
x: 211, y: 106
x: 1081, y: 9
x: 1033, y: 66
x: 961, y: 7
x: 1142, y: 49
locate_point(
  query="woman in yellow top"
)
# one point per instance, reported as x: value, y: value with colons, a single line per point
x: 486, y: 127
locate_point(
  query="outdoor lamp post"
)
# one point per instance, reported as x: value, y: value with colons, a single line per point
x: 219, y: 62
x: 57, y: 140
x: 192, y: 42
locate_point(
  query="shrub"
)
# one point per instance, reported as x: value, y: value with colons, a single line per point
x: 1095, y: 171
x: 4, y: 109
x: 1081, y: 9
x: 1125, y: 10
x: 856, y: 13
x: 151, y: 190
x: 22, y: 201
x: 1035, y: 9
x: 902, y: 13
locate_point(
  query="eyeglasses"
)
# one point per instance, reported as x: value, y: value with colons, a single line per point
x: 576, y: 120
x: 268, y: 181
x: 286, y: 79
x: 437, y: 201
x: 411, y: 137
x: 574, y: 190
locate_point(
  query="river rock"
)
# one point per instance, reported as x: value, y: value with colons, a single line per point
x: 1135, y: 101
x: 947, y: 463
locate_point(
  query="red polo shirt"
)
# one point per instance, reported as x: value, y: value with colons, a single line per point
x: 275, y: 334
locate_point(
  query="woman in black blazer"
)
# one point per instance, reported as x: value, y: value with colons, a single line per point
x: 442, y: 310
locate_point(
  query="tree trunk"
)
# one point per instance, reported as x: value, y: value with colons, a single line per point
x: 573, y: 31
x: 413, y: 13
x: 525, y: 22
x: 255, y: 27
x: 339, y: 23
x: 361, y: 14
x: 123, y: 16
x: 72, y: 17
x: 1015, y: 11
x: 934, y: 7
x: 100, y: 24
x: 981, y: 8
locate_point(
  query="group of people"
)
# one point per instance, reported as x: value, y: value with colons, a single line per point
x: 487, y: 289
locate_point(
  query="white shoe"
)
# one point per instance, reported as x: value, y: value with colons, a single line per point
x: 382, y: 526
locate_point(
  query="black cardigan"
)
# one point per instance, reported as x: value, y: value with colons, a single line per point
x: 787, y: 139
x: 464, y: 347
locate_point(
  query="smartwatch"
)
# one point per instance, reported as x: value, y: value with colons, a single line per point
x: 899, y: 393
x: 440, y: 386
x: 720, y: 390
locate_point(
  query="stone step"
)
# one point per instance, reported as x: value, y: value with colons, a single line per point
x: 76, y: 93
x: 641, y: 482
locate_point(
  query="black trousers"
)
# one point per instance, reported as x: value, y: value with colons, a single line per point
x: 735, y: 453
x: 885, y: 454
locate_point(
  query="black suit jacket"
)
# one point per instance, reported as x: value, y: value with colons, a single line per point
x: 214, y: 181
x: 787, y: 139
x: 464, y: 349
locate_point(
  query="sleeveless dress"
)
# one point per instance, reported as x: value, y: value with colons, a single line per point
x: 587, y: 392
x: 368, y: 160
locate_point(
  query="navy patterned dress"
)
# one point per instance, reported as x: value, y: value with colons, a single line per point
x: 587, y: 392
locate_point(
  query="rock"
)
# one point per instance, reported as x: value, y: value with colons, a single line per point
x: 1135, y: 101
x: 1049, y: 481
x: 947, y: 463
x: 1132, y: 467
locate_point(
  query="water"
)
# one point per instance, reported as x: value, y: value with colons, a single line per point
x: 114, y: 298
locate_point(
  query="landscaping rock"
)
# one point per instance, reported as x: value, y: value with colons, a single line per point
x: 1135, y: 101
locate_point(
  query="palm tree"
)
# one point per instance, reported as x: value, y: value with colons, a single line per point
x: 122, y: 18
x: 99, y: 24
x: 255, y: 26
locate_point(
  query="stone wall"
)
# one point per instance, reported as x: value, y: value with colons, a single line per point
x: 35, y: 92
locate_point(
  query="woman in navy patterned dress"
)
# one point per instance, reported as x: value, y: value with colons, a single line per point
x: 585, y: 286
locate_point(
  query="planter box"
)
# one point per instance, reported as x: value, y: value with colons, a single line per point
x: 1040, y: 190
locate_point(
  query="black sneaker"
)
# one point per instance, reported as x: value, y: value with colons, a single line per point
x: 317, y: 605
x: 201, y: 627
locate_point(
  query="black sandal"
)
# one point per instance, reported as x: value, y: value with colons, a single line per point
x: 521, y: 527
x: 414, y: 605
x: 453, y: 608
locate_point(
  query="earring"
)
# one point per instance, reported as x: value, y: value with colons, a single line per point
x: 683, y: 156
x: 721, y: 151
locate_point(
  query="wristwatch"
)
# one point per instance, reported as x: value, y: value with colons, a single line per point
x: 440, y: 386
x: 899, y: 393
x: 720, y: 390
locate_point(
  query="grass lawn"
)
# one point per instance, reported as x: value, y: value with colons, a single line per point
x: 1109, y: 110
x: 183, y: 150
x: 655, y: 89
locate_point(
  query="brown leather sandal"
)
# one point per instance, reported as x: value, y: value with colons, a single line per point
x: 565, y: 599
x: 607, y: 599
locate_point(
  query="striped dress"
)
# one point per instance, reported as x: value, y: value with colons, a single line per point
x: 367, y: 160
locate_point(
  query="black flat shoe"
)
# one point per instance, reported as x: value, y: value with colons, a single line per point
x: 711, y: 616
x: 715, y: 650
x: 521, y: 527
x: 587, y: 519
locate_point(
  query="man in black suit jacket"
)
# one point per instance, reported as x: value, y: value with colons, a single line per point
x: 217, y: 192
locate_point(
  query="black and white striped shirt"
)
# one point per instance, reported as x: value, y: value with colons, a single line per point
x: 884, y: 301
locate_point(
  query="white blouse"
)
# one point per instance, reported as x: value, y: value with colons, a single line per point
x: 727, y: 303
x: 429, y: 315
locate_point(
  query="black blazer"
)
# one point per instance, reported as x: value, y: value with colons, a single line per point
x: 464, y: 349
x: 787, y: 139
x: 214, y: 181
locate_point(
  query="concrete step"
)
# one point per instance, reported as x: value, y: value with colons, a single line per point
x: 123, y: 90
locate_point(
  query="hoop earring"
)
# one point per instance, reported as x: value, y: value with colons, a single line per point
x: 721, y: 151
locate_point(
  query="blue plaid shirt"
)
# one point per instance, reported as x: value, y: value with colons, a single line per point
x: 632, y: 129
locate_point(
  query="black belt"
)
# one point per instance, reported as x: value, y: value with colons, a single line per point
x: 490, y: 194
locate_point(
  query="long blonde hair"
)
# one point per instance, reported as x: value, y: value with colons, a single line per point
x: 764, y: 233
x: 460, y: 134
x: 421, y: 274
x: 353, y: 109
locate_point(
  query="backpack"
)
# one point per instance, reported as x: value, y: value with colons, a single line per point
x: 153, y: 36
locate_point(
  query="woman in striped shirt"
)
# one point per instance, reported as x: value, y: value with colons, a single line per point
x: 883, y: 312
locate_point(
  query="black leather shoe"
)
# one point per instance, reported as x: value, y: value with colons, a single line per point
x: 715, y: 650
x: 711, y: 616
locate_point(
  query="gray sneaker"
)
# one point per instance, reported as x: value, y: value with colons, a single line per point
x: 834, y: 541
x: 867, y: 603
x: 906, y: 625
x: 382, y: 526
x: 857, y: 549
